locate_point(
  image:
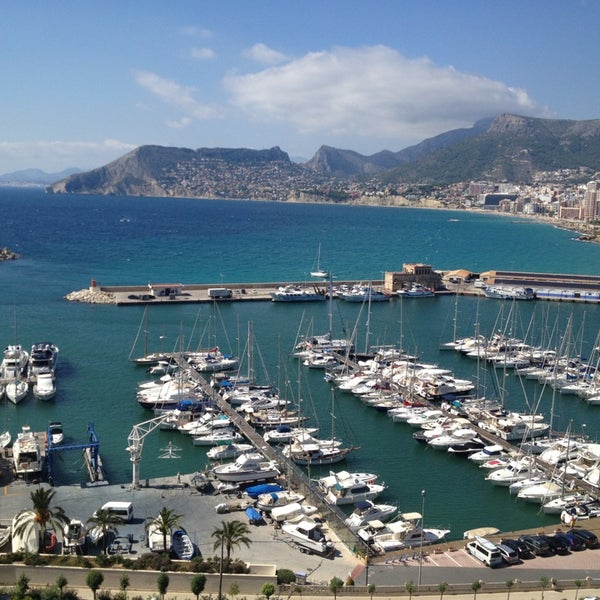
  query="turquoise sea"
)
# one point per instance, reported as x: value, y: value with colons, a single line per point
x: 68, y: 240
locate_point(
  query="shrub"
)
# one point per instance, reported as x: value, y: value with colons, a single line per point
x: 285, y: 576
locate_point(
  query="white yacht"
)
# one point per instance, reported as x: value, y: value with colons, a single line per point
x: 308, y: 535
x: 43, y: 358
x: 27, y: 453
x: 14, y: 363
x: 44, y: 387
x: 246, y: 468
x: 16, y: 390
x: 366, y: 511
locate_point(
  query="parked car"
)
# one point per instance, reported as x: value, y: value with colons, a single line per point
x: 521, y: 547
x: 575, y: 543
x: 537, y: 544
x: 590, y: 539
x: 558, y: 544
x: 509, y: 555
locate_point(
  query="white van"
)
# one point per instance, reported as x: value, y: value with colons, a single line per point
x: 121, y: 509
x: 485, y: 551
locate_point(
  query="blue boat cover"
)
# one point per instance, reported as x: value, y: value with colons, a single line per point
x: 262, y: 488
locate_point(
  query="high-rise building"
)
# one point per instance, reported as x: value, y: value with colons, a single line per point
x: 590, y: 201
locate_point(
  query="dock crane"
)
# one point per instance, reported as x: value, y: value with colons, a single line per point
x: 135, y: 442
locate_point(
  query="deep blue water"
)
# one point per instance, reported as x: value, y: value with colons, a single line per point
x: 68, y: 240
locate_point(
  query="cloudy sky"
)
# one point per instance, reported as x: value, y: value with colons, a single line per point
x: 85, y: 82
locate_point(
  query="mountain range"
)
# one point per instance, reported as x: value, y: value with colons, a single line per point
x: 506, y: 148
x: 35, y: 177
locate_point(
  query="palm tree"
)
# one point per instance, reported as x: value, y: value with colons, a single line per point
x: 475, y: 586
x: 578, y: 583
x: 231, y: 533
x: 411, y: 588
x: 40, y: 516
x: 105, y: 520
x: 165, y: 522
x: 335, y: 585
x: 442, y: 587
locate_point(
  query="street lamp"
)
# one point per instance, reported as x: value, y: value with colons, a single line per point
x: 422, y: 533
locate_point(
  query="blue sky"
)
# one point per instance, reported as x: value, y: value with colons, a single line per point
x: 84, y: 82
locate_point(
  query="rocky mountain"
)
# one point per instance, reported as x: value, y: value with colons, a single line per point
x: 34, y: 177
x: 202, y: 173
x: 346, y: 163
x: 509, y: 147
x: 512, y: 148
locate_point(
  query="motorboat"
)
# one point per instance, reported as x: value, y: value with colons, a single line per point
x: 43, y: 358
x: 314, y: 452
x: 516, y: 486
x: 44, y: 387
x: 320, y: 360
x: 284, y: 434
x: 406, y: 532
x: 508, y: 293
x: 181, y: 545
x: 56, y: 434
x: 269, y: 501
x: 322, y: 343
x: 16, y: 390
x: 5, y: 439
x: 541, y: 493
x: 74, y: 537
x: 565, y: 501
x: 334, y: 478
x: 515, y: 470
x: 226, y: 435
x: 487, y: 453
x: 350, y: 491
x: 14, y: 363
x: 246, y: 468
x: 27, y: 453
x: 295, y: 293
x: 295, y: 511
x: 366, y: 511
x: 308, y: 535
x: 450, y: 438
x: 416, y: 290
x: 213, y: 361
x: 363, y: 293
x: 227, y: 451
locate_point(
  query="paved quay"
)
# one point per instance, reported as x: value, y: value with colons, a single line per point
x: 446, y: 562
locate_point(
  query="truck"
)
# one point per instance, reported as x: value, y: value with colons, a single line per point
x: 219, y: 293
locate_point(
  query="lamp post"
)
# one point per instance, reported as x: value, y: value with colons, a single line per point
x: 422, y: 534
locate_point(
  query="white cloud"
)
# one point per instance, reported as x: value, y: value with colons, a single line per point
x: 193, y: 31
x: 181, y: 124
x: 263, y: 54
x: 176, y: 95
x: 202, y: 53
x: 57, y: 155
x: 372, y: 92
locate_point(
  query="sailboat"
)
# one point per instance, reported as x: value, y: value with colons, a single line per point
x: 146, y: 359
x: 319, y: 272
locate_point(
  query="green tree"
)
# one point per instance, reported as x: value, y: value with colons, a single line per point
x: 476, y: 586
x: 578, y: 583
x: 544, y: 581
x: 22, y: 586
x: 106, y: 521
x: 230, y: 534
x: 442, y: 587
x: 335, y: 585
x: 197, y: 584
x: 41, y: 516
x: 509, y: 583
x: 267, y: 590
x: 371, y: 590
x: 234, y: 589
x: 162, y: 582
x: 410, y: 588
x: 61, y: 583
x: 124, y: 583
x: 165, y: 522
x: 94, y: 580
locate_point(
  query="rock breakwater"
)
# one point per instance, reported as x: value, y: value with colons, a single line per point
x: 92, y: 297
